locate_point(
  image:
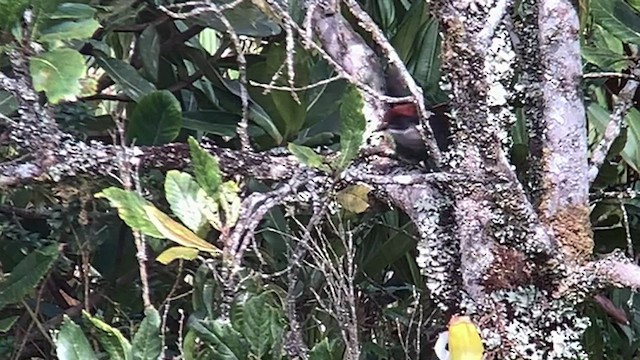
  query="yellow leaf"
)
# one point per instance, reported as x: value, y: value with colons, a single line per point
x: 354, y: 198
x: 177, y: 232
x: 464, y: 340
x: 177, y: 252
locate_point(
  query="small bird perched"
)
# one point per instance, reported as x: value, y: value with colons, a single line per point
x: 401, y: 122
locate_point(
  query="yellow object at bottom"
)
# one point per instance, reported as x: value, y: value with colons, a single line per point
x: 464, y: 340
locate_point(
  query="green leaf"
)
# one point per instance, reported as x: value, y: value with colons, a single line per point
x: 147, y: 342
x: 210, y: 208
x: 73, y: 11
x: 219, y: 123
x: 8, y: 103
x: 7, y: 323
x: 126, y: 76
x: 130, y: 207
x: 230, y: 202
x: 69, y: 30
x: 292, y: 113
x: 111, y: 339
x: 600, y: 117
x: 205, y: 167
x: 605, y: 59
x: 260, y: 324
x: 156, y: 120
x: 352, y: 127
x: 149, y: 44
x: 256, y: 112
x: 307, y: 156
x: 227, y: 343
x: 71, y: 344
x: 245, y: 19
x: 325, y: 350
x: 403, y: 40
x: 425, y: 63
x: 27, y: 274
x: 618, y: 18
x: 57, y: 72
x: 208, y: 39
x: 631, y: 151
x: 177, y: 252
x: 181, y: 192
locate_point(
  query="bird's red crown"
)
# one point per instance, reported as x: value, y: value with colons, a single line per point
x: 401, y: 110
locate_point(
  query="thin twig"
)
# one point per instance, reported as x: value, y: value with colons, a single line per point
x: 600, y: 75
x: 612, y: 131
x: 270, y: 87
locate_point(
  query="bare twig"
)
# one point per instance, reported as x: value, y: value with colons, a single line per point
x: 624, y: 102
x: 604, y: 74
x: 270, y: 86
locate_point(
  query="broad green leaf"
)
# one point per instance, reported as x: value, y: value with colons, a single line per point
x: 73, y: 11
x: 631, y: 151
x: 351, y: 127
x: 230, y: 202
x: 227, y: 343
x: 604, y: 39
x: 130, y: 207
x: 205, y: 167
x: 219, y: 123
x: 210, y: 208
x: 147, y: 342
x: 325, y: 350
x: 245, y: 19
x: 27, y: 274
x: 190, y: 345
x: 177, y: 252
x: 176, y: 232
x: 260, y: 324
x: 208, y: 39
x: 181, y: 192
x: 403, y: 40
x: 291, y: 112
x: 125, y: 76
x: 204, y: 292
x: 354, y: 198
x: 71, y: 344
x: 111, y: 339
x: 604, y: 58
x: 256, y: 113
x: 425, y: 62
x: 7, y: 323
x: 8, y: 103
x: 600, y: 117
x: 69, y: 30
x: 57, y: 73
x: 149, y: 44
x: 618, y: 18
x: 307, y: 156
x: 156, y: 120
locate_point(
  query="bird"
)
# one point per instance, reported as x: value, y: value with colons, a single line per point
x: 401, y: 122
